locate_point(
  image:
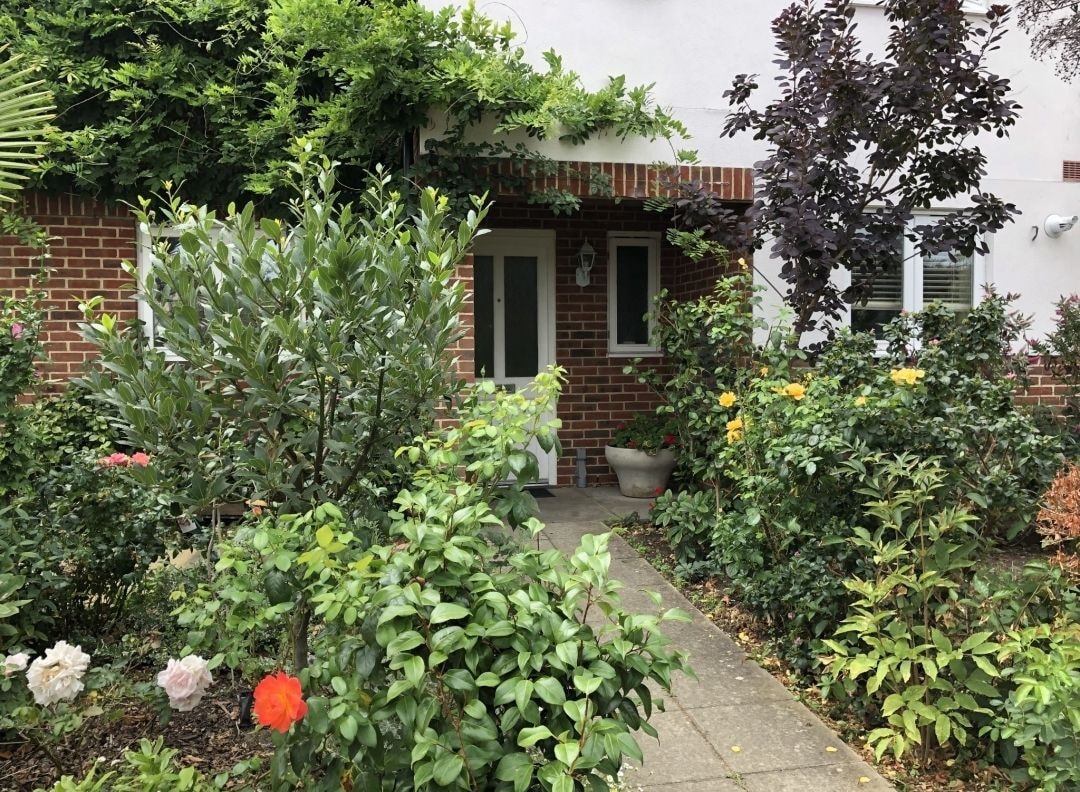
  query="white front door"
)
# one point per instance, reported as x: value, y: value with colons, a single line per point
x: 514, y: 311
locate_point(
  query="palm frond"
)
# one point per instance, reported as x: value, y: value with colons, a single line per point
x: 25, y: 111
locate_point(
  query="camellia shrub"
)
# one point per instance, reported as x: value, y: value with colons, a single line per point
x: 452, y: 656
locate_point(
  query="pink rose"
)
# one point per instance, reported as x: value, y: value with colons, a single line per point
x: 115, y: 460
x: 17, y: 330
x: 140, y: 459
x: 185, y: 682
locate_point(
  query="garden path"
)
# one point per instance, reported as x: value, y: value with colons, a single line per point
x: 735, y: 727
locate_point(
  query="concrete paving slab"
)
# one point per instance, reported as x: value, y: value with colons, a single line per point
x: 723, y: 681
x: 734, y: 703
x: 776, y: 735
x: 834, y: 778
x: 682, y: 754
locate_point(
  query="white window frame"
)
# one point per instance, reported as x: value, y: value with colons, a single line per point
x: 912, y: 274
x: 146, y: 236
x: 650, y: 241
x: 145, y: 239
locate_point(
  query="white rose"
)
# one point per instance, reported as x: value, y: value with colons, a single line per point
x: 185, y: 682
x: 58, y: 675
x: 15, y: 662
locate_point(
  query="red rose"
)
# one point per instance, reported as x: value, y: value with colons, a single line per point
x: 669, y: 440
x: 279, y: 702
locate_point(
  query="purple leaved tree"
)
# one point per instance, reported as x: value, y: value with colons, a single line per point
x: 861, y: 140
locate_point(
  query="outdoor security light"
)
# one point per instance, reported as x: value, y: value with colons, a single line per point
x: 1056, y: 225
x: 586, y: 257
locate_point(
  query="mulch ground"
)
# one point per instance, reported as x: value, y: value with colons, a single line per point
x: 208, y: 738
x: 711, y: 596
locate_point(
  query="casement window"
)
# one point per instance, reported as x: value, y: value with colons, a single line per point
x: 148, y: 247
x: 633, y: 283
x: 147, y: 241
x: 911, y: 281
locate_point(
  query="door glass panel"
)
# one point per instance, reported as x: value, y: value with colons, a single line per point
x: 520, y: 315
x: 484, y: 315
x: 632, y: 294
x: 948, y: 282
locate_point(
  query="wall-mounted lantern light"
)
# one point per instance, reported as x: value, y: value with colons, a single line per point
x: 585, y: 258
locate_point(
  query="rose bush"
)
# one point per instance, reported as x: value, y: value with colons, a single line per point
x: 771, y: 439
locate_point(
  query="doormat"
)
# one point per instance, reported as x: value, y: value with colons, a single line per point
x: 541, y: 492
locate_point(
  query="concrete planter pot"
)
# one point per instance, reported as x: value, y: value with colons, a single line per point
x: 640, y: 474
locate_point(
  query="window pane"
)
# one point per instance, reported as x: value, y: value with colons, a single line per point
x: 520, y: 316
x: 885, y: 297
x: 631, y: 294
x: 948, y: 282
x: 484, y: 316
x: 162, y: 293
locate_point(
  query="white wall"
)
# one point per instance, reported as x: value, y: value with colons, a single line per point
x: 691, y: 49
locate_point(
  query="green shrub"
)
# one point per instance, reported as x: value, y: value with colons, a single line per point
x: 901, y: 651
x: 152, y: 766
x: 82, y: 543
x: 1040, y: 716
x: 688, y: 520
x: 773, y: 441
x: 445, y: 658
x: 290, y: 361
x: 1060, y: 350
x: 20, y: 349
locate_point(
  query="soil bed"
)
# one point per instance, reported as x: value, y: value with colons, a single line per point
x: 207, y: 738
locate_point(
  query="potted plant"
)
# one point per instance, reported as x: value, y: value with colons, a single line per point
x: 641, y: 455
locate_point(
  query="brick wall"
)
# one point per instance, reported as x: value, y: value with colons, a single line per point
x: 627, y: 179
x: 1045, y: 389
x: 89, y: 241
x: 598, y: 395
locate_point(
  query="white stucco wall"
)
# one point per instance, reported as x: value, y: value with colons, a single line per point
x: 691, y: 49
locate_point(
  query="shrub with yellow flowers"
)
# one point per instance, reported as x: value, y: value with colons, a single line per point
x: 773, y: 438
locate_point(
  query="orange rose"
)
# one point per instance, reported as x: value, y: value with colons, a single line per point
x: 278, y: 701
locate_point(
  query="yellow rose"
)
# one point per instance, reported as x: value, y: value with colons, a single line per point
x: 764, y: 371
x: 734, y: 430
x: 795, y: 390
x: 743, y: 264
x: 727, y: 398
x: 907, y: 376
x: 860, y: 401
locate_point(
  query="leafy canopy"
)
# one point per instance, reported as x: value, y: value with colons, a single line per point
x: 212, y: 92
